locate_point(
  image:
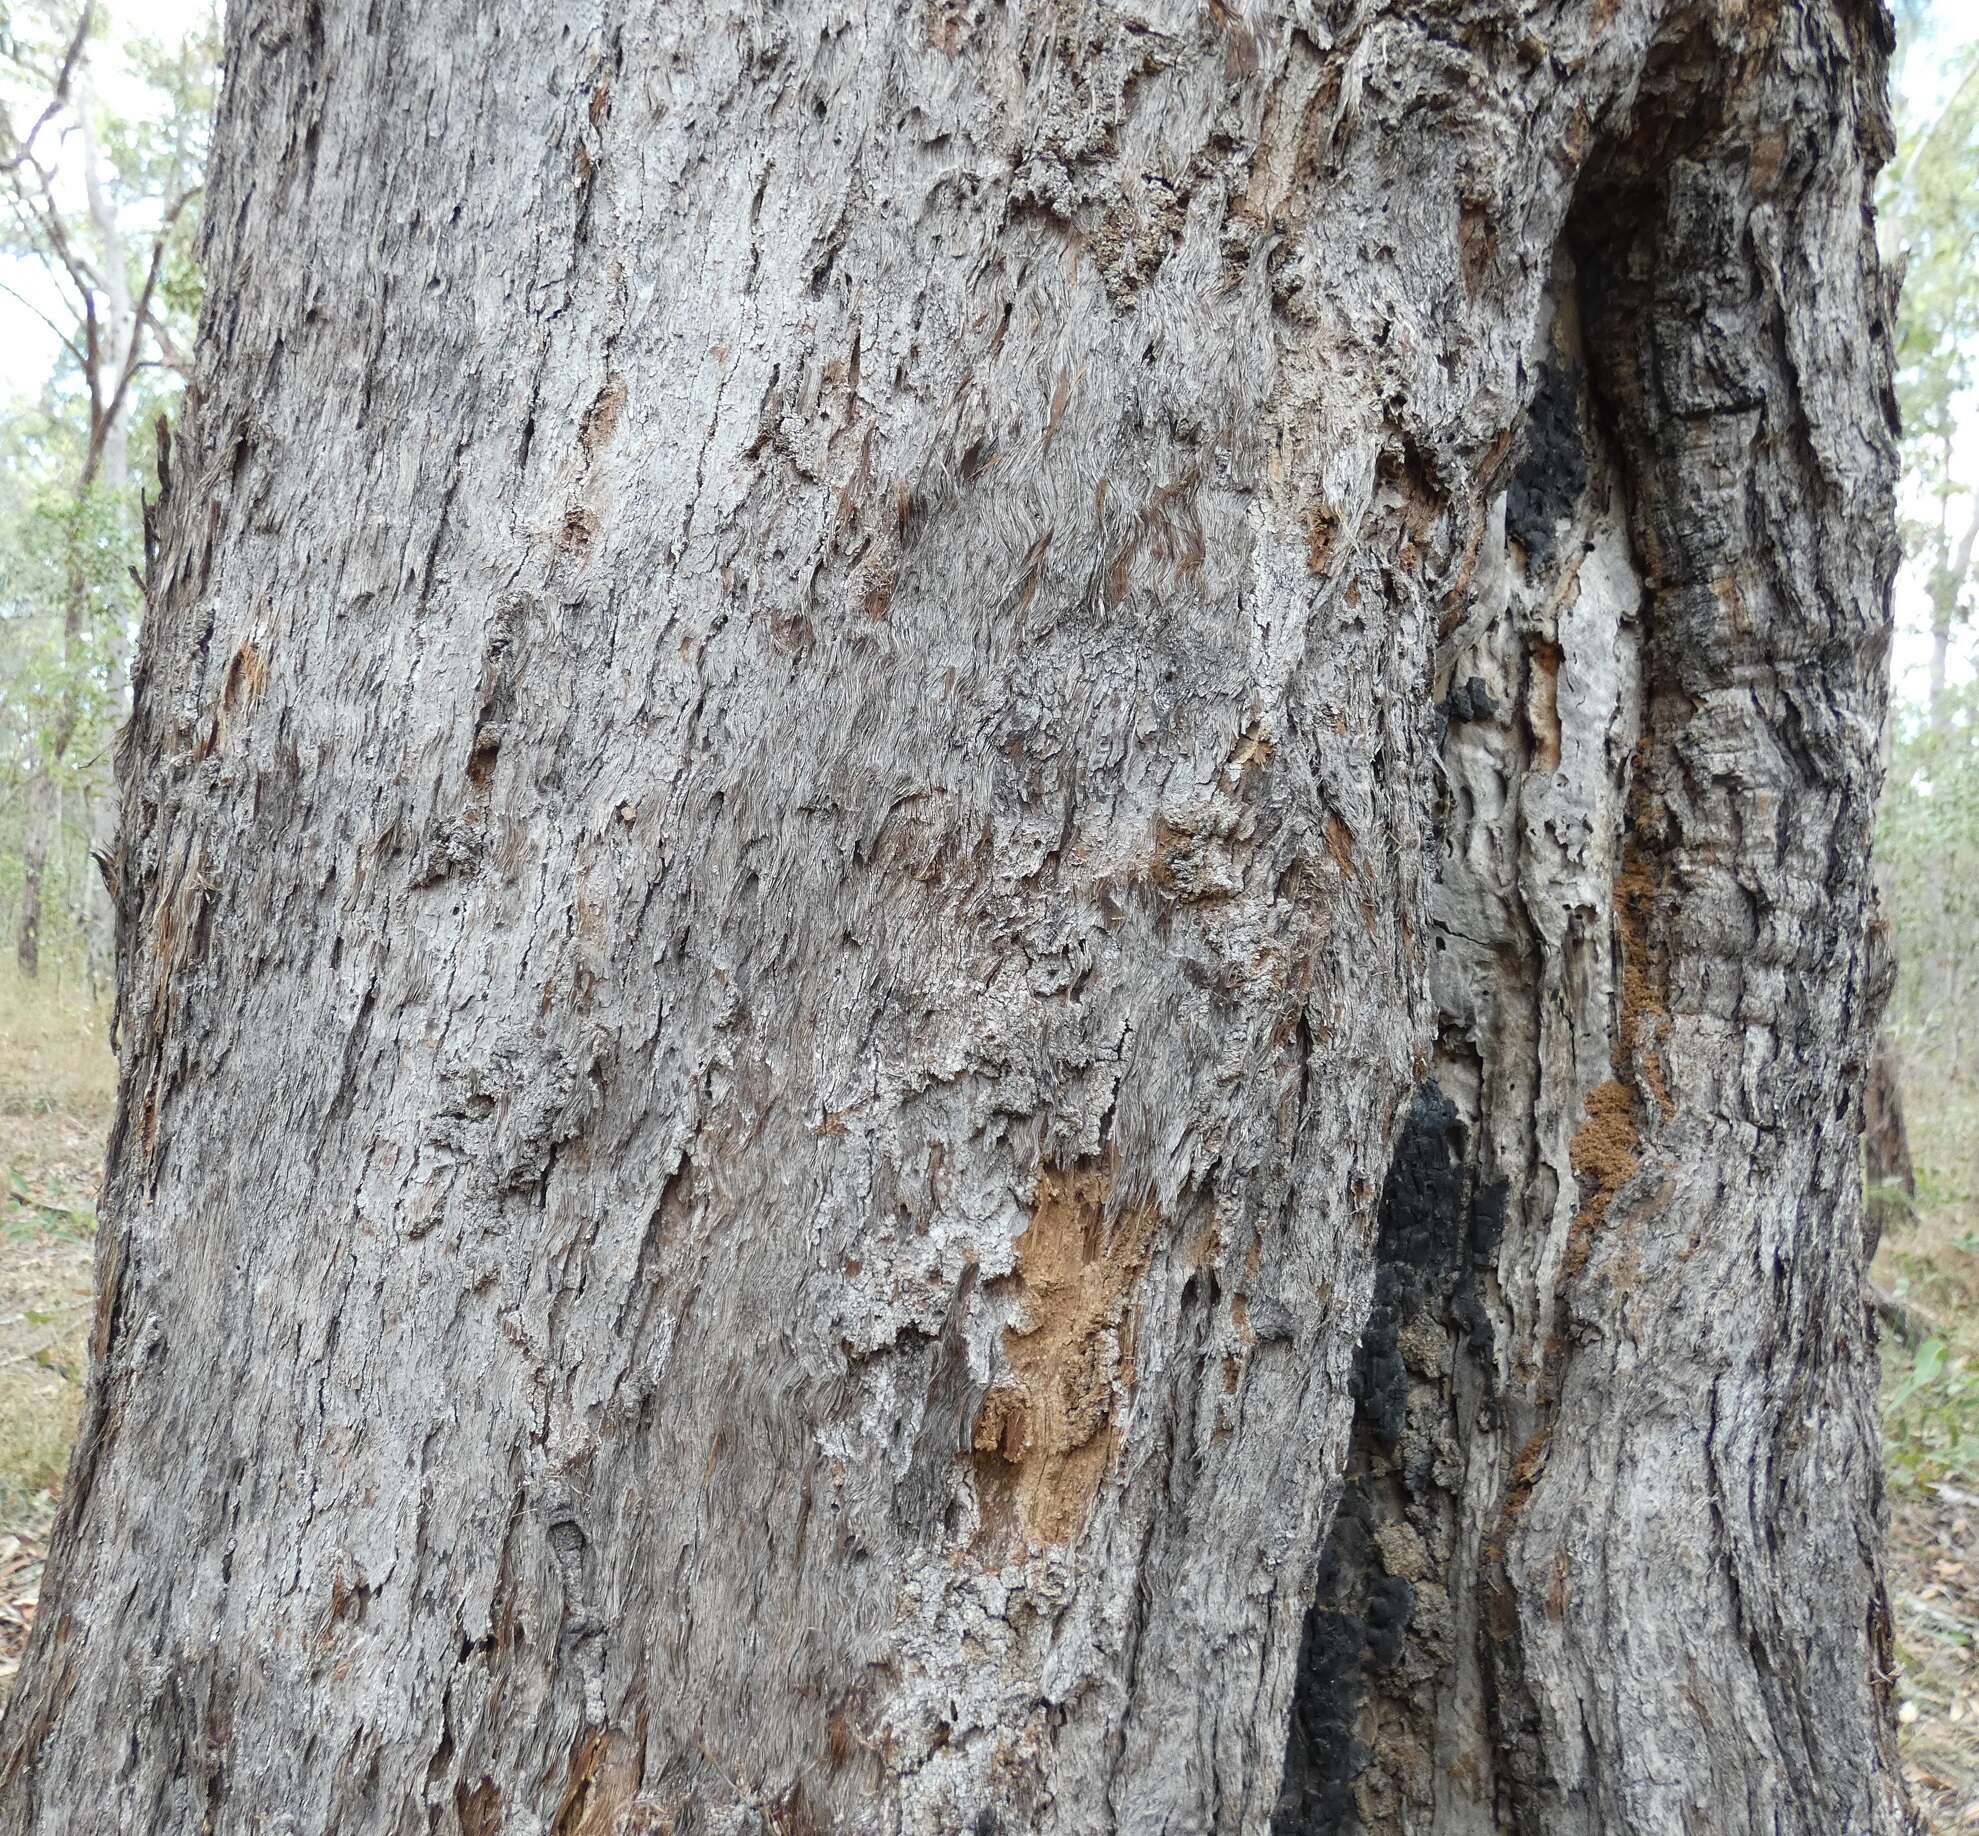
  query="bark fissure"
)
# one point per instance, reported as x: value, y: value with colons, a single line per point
x: 1685, y: 1030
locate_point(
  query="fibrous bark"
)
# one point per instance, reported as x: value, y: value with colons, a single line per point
x: 1632, y: 1499
x: 882, y: 756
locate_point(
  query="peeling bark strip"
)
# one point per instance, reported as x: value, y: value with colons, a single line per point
x: 842, y: 704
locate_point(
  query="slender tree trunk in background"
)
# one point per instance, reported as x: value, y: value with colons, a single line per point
x: 1947, y: 590
x: 1941, y: 599
x: 43, y: 799
x: 42, y: 803
x: 1887, y: 1164
x: 99, y: 913
x: 113, y: 346
x: 1888, y: 1176
x: 120, y: 328
x: 875, y: 768
x: 37, y: 829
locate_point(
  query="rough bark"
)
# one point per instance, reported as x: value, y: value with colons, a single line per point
x: 823, y: 692
x: 1610, y: 1555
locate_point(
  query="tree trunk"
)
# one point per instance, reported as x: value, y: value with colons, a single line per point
x: 43, y: 800
x: 874, y: 769
x: 99, y: 912
x: 1947, y: 590
x: 1886, y: 1163
x: 37, y: 832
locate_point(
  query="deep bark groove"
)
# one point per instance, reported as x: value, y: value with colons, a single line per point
x: 1657, y: 1034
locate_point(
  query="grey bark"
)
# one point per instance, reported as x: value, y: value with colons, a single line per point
x: 1886, y: 1164
x: 875, y: 769
x: 41, y: 801
x: 1630, y: 1391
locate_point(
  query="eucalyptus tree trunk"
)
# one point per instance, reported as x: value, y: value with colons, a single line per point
x: 1947, y: 588
x: 992, y: 936
x: 1886, y: 1164
x: 41, y: 797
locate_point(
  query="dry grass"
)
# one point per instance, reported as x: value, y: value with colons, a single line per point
x: 1931, y: 1441
x: 55, y: 1062
x: 57, y: 1086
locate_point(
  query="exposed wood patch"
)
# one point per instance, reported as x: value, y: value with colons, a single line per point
x: 1605, y: 1156
x: 1543, y: 703
x: 576, y: 533
x: 1322, y: 530
x: 479, y: 1810
x: 1645, y: 1015
x: 604, y: 1775
x: 1043, y: 1440
x: 240, y: 688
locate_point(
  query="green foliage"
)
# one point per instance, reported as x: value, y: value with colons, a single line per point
x: 1931, y: 1419
x: 31, y: 1213
x: 1927, y: 1366
x: 65, y: 595
x: 154, y: 160
x: 1933, y: 209
x: 1930, y: 217
x: 1927, y: 852
x: 106, y: 139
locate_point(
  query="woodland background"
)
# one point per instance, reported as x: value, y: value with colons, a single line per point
x: 104, y: 116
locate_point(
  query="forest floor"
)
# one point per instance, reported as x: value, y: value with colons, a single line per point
x: 1930, y: 1263
x: 57, y: 1091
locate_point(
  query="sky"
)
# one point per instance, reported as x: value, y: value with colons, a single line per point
x: 28, y: 346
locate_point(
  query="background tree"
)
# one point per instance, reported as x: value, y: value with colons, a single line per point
x: 99, y: 205
x: 1929, y: 843
x: 1933, y: 224
x: 920, y: 804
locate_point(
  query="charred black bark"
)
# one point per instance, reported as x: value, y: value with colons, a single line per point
x: 1439, y: 1229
